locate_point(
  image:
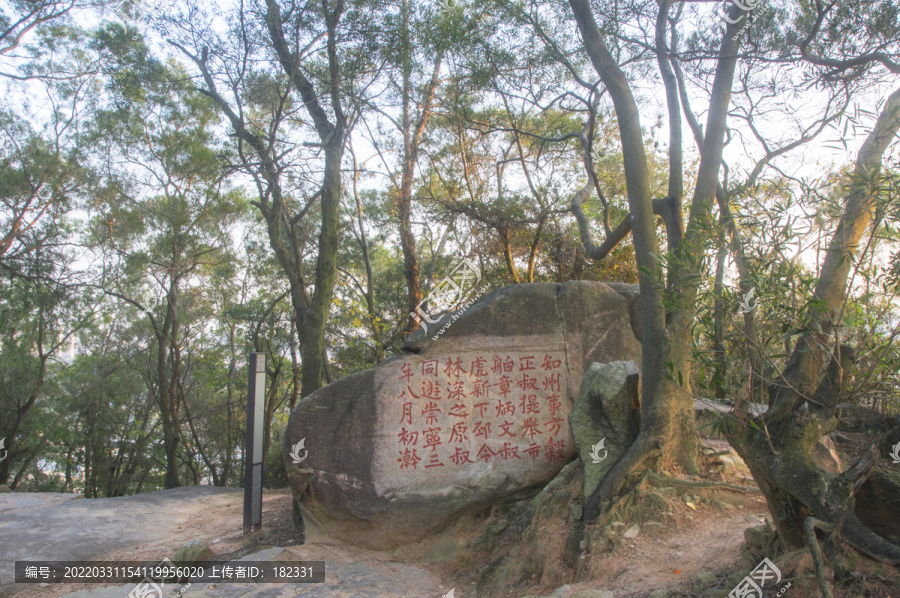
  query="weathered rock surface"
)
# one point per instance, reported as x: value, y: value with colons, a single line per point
x: 606, y: 415
x: 878, y: 504
x: 462, y: 420
x: 195, y: 551
x: 542, y: 545
x: 890, y: 443
x: 858, y: 419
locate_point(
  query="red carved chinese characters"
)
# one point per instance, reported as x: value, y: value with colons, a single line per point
x: 483, y: 407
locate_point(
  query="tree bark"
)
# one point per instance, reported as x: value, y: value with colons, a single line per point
x: 778, y: 446
x: 166, y: 373
x: 312, y: 313
x: 668, y: 434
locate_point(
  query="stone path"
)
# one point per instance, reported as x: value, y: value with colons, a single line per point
x: 150, y: 526
x: 45, y: 526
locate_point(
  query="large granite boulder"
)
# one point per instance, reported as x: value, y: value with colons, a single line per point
x: 460, y: 421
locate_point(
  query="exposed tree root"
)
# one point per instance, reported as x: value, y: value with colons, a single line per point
x: 868, y: 542
x: 632, y: 461
x: 669, y: 481
x: 810, y: 525
x: 787, y: 479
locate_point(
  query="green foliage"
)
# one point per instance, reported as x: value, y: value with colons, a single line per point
x: 136, y: 273
x: 782, y: 267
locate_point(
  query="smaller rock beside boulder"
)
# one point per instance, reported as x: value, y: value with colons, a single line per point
x: 878, y: 504
x: 761, y: 541
x: 704, y: 578
x: 606, y: 417
x: 4, y: 489
x: 195, y: 551
x: 858, y: 419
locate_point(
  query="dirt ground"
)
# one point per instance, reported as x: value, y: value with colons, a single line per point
x: 650, y: 561
x: 145, y: 527
x: 153, y: 526
x: 706, y: 538
x: 709, y: 542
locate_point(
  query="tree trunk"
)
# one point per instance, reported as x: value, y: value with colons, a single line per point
x: 165, y: 376
x: 408, y: 242
x: 668, y: 435
x: 206, y: 460
x: 412, y: 139
x: 69, y: 455
x: 295, y: 366
x: 229, y: 405
x: 778, y: 446
x: 369, y: 290
x: 312, y: 314
x: 326, y: 269
x: 270, y: 406
x: 503, y: 232
x: 720, y: 359
x: 21, y: 410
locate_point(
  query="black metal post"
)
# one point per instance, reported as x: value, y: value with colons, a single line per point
x: 253, y: 443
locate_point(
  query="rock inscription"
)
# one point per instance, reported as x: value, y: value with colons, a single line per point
x: 468, y: 408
